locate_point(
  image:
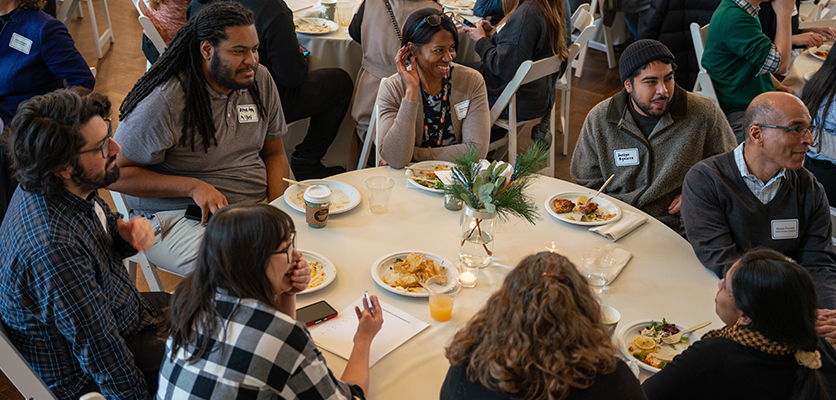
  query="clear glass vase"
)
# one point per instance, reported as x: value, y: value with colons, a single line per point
x: 476, y: 247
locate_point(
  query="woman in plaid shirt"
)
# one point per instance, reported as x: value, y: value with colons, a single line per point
x: 234, y: 332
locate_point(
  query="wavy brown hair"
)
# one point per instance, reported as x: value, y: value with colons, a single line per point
x: 547, y: 311
x: 555, y: 17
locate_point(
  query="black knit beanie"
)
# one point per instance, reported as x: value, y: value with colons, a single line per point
x: 642, y: 52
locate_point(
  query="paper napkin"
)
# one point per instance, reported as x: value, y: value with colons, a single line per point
x: 621, y: 228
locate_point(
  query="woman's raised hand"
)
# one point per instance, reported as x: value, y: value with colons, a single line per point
x: 409, y: 76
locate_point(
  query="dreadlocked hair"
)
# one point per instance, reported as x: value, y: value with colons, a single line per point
x: 183, y: 61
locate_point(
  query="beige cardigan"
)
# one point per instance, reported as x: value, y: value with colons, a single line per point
x: 401, y: 121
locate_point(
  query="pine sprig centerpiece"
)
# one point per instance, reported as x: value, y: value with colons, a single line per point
x: 492, y: 189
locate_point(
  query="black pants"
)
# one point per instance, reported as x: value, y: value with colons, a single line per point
x: 825, y: 173
x: 323, y: 97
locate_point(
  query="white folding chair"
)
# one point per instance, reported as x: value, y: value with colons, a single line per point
x: 606, y: 46
x: 822, y: 23
x: 577, y: 24
x: 149, y: 28
x: 21, y: 374
x: 69, y: 6
x: 703, y: 85
x: 371, y: 137
x: 810, y: 11
x: 583, y: 22
x: 527, y: 72
x: 148, y: 268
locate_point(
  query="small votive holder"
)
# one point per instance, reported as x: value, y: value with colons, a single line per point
x: 451, y: 203
x: 468, y: 275
x: 552, y: 246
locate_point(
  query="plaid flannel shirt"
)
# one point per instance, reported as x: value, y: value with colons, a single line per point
x: 261, y: 354
x: 68, y: 303
x: 773, y: 60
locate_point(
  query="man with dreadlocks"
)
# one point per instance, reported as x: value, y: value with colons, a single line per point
x: 203, y: 126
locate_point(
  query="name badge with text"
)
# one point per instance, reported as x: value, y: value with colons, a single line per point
x: 784, y: 229
x: 21, y: 43
x: 461, y: 109
x: 626, y: 157
x: 247, y: 113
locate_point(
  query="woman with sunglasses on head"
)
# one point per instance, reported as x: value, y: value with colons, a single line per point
x: 818, y: 97
x: 539, y: 337
x: 432, y: 109
x: 531, y: 30
x: 767, y: 350
x: 234, y: 332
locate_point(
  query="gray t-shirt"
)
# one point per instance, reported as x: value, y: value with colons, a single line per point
x: 151, y: 136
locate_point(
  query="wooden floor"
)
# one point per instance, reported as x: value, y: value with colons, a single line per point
x: 123, y: 63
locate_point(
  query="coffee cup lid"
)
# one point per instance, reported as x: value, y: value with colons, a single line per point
x: 318, y: 194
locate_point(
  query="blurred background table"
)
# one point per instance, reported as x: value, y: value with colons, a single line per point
x: 804, y: 66
x: 664, y: 278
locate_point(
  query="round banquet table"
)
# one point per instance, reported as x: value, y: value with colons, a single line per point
x: 664, y: 278
x: 804, y: 64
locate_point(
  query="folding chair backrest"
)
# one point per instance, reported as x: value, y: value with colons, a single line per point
x: 698, y: 35
x: 822, y: 23
x: 18, y: 370
x: 527, y: 72
x: 371, y: 138
x: 148, y: 26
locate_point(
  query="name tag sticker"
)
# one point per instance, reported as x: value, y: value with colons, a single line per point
x: 20, y: 43
x: 247, y: 113
x: 461, y: 109
x: 626, y: 157
x: 784, y: 229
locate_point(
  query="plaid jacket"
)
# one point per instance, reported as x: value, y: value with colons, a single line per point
x: 67, y: 300
x: 261, y: 354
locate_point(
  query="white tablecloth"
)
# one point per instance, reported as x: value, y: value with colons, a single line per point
x: 664, y: 278
x: 803, y: 65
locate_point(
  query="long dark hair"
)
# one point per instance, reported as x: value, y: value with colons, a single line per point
x: 44, y: 136
x: 233, y: 255
x: 779, y: 297
x: 555, y: 15
x: 425, y: 33
x: 182, y: 60
x: 540, y: 336
x: 819, y: 91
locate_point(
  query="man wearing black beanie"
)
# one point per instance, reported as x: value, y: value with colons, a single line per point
x: 649, y: 134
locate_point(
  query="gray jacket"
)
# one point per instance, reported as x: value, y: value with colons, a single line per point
x: 694, y: 128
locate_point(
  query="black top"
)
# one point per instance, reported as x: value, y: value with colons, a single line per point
x: 3, y: 20
x: 354, y: 28
x: 720, y: 368
x: 769, y: 22
x: 645, y: 124
x: 621, y: 384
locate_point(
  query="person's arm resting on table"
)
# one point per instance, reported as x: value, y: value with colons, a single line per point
x: 275, y: 159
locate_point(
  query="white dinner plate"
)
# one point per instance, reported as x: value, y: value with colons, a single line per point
x: 327, y: 265
x: 606, y: 206
x: 426, y: 165
x: 344, y: 197
x: 310, y: 29
x: 381, y: 265
x: 813, y: 50
x: 630, y: 331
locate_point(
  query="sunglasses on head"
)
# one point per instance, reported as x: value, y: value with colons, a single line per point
x: 431, y: 20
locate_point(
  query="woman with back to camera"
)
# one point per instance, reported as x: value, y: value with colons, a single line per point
x: 531, y: 30
x: 432, y: 109
x: 818, y: 96
x: 539, y: 337
x: 768, y: 348
x: 234, y: 332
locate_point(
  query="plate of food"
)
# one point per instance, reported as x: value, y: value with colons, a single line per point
x: 820, y: 52
x: 344, y: 197
x: 426, y: 170
x: 458, y: 3
x: 404, y: 271
x: 642, y: 340
x: 575, y: 208
x: 323, y: 271
x: 315, y: 26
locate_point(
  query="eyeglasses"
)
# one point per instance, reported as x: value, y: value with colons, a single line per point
x: 105, y: 146
x: 289, y: 249
x: 797, y: 131
x: 431, y: 20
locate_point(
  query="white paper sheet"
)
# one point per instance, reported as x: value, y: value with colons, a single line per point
x: 337, y: 334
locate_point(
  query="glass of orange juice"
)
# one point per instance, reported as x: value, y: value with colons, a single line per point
x: 443, y: 291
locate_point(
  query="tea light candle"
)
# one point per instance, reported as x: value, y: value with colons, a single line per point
x: 552, y: 247
x: 468, y: 277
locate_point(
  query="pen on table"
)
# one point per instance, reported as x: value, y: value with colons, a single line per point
x: 369, y: 302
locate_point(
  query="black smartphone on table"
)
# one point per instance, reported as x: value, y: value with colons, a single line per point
x: 315, y: 313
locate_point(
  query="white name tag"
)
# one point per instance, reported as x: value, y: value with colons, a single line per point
x: 21, y: 43
x: 625, y: 157
x: 247, y: 113
x: 461, y: 109
x: 784, y: 229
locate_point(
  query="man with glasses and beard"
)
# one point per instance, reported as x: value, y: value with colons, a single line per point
x: 202, y: 127
x: 66, y: 300
x: 648, y: 135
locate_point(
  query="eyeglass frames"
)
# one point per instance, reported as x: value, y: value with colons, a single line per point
x: 104, y: 148
x: 289, y: 249
x: 431, y: 20
x: 797, y: 131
